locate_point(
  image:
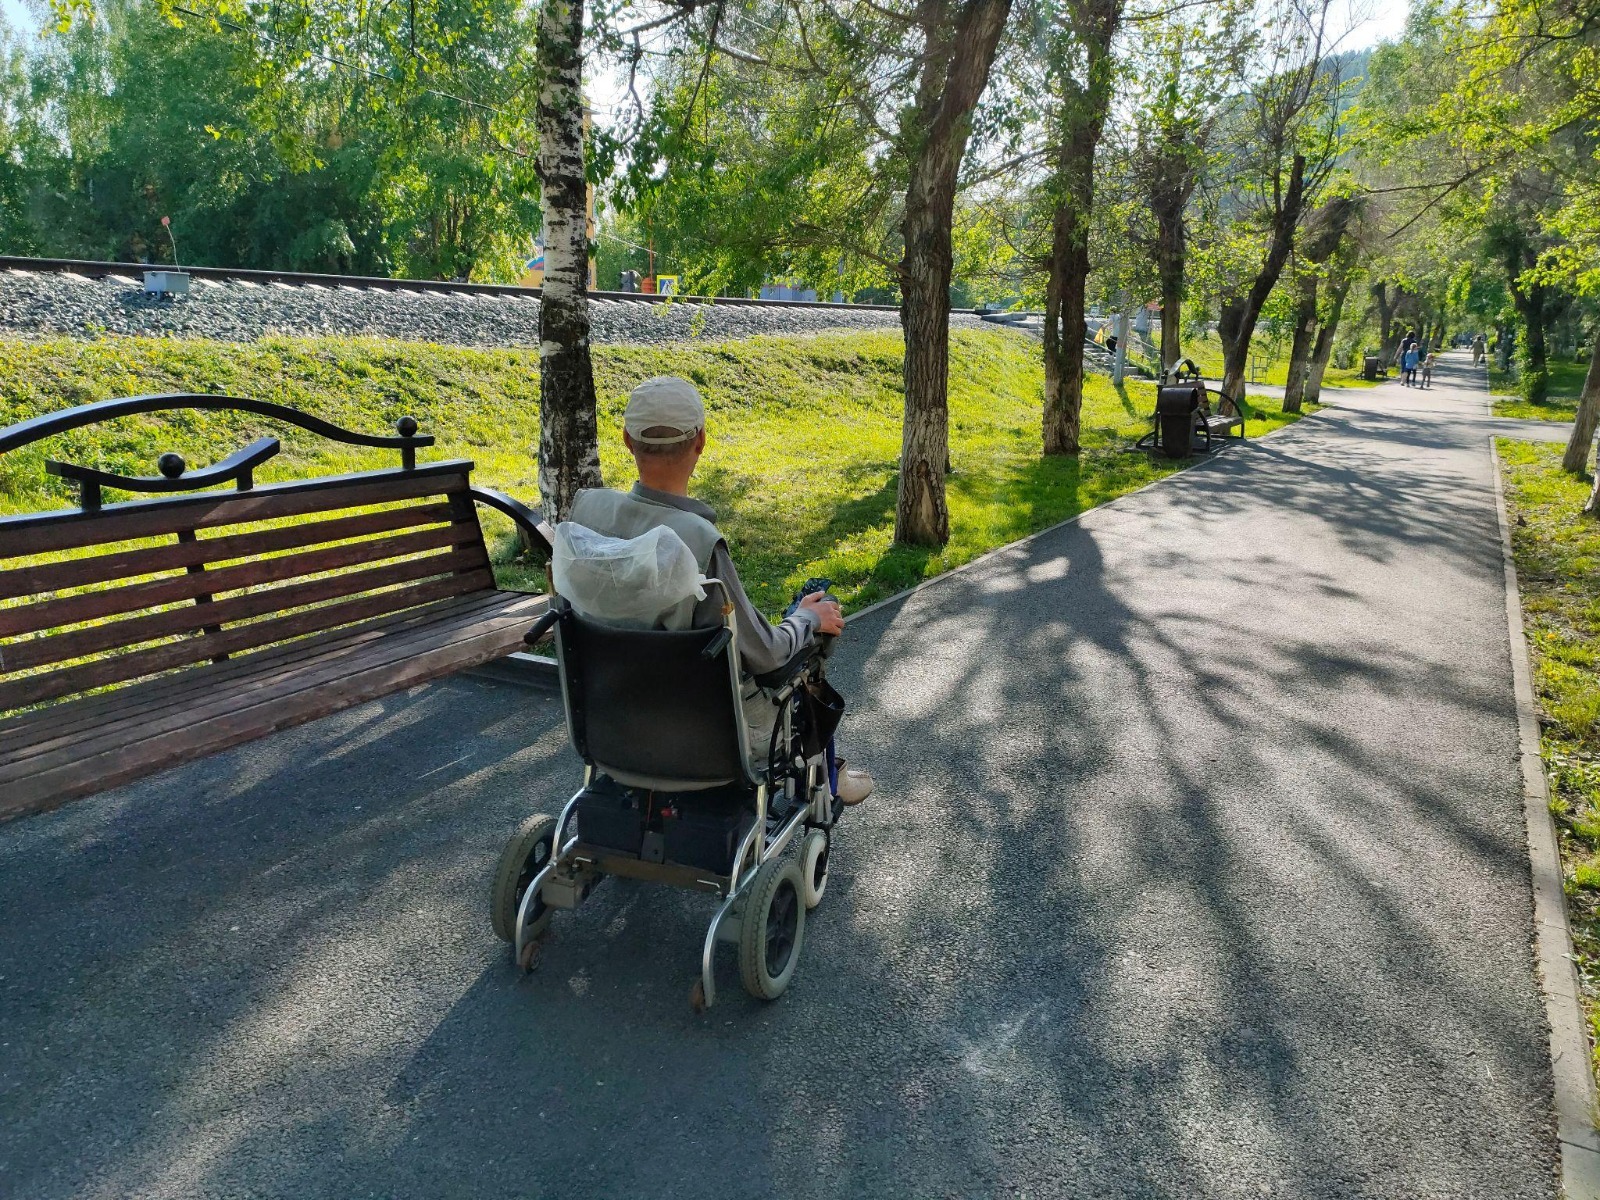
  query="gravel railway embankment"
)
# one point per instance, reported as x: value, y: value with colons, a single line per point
x: 44, y: 303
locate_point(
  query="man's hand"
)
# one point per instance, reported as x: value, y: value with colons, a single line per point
x: 829, y: 615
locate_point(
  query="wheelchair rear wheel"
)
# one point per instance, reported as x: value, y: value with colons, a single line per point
x: 772, y: 929
x: 524, y: 857
x: 814, y: 866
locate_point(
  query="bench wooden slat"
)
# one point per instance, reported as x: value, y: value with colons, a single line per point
x: 33, y: 689
x: 255, y: 713
x: 175, y: 556
x: 202, y: 693
x: 192, y: 619
x: 146, y: 518
x: 94, y: 606
x: 27, y: 732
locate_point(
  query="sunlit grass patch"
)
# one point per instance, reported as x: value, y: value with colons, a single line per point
x: 1566, y: 384
x: 802, y: 463
x: 1557, y: 550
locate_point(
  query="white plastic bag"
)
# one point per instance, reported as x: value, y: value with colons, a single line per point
x: 647, y: 582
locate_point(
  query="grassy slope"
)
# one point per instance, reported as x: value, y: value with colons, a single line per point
x: 1557, y: 551
x: 805, y: 434
x: 1566, y: 383
x: 1207, y: 355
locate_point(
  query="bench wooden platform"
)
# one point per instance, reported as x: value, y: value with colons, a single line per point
x: 138, y: 635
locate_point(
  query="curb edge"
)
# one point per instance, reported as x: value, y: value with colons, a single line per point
x: 1569, y: 1043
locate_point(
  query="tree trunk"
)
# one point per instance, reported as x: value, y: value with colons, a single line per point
x: 1380, y: 297
x: 1083, y: 118
x: 934, y: 133
x: 1172, y: 182
x: 1535, y: 371
x: 1239, y: 314
x: 569, y: 445
x: 1305, y: 326
x: 1069, y: 272
x: 1169, y: 267
x: 1054, y: 352
x: 1583, y: 425
x: 1323, y: 351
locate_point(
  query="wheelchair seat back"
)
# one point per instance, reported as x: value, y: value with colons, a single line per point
x: 649, y: 708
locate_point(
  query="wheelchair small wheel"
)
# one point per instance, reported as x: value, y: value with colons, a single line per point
x: 772, y: 928
x: 814, y: 866
x: 524, y: 857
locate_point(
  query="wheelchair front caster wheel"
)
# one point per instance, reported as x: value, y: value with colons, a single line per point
x: 525, y: 855
x: 529, y: 958
x: 771, y: 929
x: 814, y: 867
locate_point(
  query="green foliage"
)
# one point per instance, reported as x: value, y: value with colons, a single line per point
x: 277, y: 136
x: 805, y: 434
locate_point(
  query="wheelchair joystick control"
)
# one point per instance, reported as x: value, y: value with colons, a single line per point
x: 817, y: 583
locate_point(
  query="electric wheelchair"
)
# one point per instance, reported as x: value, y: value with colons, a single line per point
x: 672, y: 794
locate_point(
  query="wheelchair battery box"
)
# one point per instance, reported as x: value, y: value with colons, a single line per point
x: 611, y: 816
x: 703, y: 829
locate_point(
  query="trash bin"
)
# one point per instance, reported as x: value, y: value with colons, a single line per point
x: 1372, y: 367
x: 1175, y: 409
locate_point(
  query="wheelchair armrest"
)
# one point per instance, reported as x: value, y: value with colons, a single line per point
x: 781, y: 675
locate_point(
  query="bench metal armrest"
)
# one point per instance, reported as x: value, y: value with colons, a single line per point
x: 535, y: 530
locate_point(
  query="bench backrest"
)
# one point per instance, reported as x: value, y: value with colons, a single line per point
x: 101, y: 596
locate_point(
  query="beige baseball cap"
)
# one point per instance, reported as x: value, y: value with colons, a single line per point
x: 664, y: 402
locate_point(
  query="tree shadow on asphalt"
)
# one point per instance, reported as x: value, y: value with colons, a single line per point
x: 1158, y: 898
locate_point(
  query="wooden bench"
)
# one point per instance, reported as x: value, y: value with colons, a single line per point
x: 141, y: 634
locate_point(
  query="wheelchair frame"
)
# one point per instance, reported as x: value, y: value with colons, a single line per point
x: 575, y: 868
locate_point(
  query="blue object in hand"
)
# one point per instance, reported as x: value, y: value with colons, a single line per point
x: 816, y: 583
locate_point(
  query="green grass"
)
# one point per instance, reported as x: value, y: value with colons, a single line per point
x: 805, y: 434
x: 1557, y: 553
x: 1207, y: 355
x: 1561, y: 404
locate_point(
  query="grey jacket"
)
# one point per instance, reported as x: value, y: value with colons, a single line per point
x: 763, y: 646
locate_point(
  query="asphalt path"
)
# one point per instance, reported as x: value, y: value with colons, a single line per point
x: 1196, y: 869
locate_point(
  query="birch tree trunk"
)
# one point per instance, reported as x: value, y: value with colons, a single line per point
x: 1588, y: 416
x: 569, y: 447
x: 933, y: 132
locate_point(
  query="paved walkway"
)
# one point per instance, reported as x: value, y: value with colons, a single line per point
x: 1197, y: 870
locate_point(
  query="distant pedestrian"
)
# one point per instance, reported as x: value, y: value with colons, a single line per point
x: 1427, y: 369
x: 1477, y: 350
x: 1409, y: 356
x: 1406, y: 339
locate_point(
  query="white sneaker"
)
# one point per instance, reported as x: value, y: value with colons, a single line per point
x: 854, y: 786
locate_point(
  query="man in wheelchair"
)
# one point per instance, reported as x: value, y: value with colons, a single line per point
x: 706, y: 732
x: 664, y: 428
